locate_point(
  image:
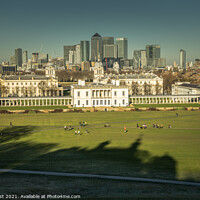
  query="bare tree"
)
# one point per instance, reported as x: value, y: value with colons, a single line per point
x: 135, y: 88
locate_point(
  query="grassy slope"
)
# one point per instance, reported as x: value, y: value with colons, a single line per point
x: 156, y: 152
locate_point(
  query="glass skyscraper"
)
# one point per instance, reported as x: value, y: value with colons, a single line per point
x: 122, y: 44
x: 96, y: 47
x: 152, y: 54
x: 183, y: 59
x: 85, y: 50
x: 18, y: 57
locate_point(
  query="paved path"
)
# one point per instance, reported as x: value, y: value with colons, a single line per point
x: 123, y: 178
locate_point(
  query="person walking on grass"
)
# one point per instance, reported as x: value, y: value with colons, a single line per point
x: 125, y: 129
x: 177, y: 114
x: 75, y: 132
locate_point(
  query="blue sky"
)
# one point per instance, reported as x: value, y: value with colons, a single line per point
x: 47, y: 25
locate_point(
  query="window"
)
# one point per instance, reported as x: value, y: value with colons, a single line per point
x: 104, y: 102
x: 115, y: 93
x: 123, y: 101
x: 123, y: 93
x: 93, y: 102
x: 17, y: 83
x: 78, y: 102
x: 97, y: 102
x: 115, y: 102
x: 8, y: 83
x: 101, y: 102
x: 108, y: 102
x: 78, y: 94
x: 87, y: 102
x: 21, y: 83
x: 12, y: 83
x: 86, y: 94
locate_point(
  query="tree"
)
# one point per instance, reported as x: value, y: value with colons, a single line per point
x: 147, y: 88
x: 158, y: 88
x: 135, y: 88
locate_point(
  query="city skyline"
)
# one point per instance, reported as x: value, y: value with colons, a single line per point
x: 47, y: 26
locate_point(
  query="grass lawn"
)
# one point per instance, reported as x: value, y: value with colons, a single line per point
x: 39, y: 142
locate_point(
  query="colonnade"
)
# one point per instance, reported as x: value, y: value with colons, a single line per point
x: 101, y: 93
x: 164, y: 99
x: 28, y: 101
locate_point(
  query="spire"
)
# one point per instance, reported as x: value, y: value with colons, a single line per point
x: 96, y: 35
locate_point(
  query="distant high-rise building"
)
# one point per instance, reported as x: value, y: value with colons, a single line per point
x: 85, y: 50
x: 78, y: 54
x: 12, y: 60
x: 108, y: 40
x: 25, y: 57
x: 96, y: 47
x: 18, y: 57
x: 143, y: 58
x: 183, y: 59
x: 43, y: 58
x: 35, y: 57
x: 122, y: 44
x: 152, y: 54
x: 137, y: 58
x: 110, y: 51
x: 67, y: 49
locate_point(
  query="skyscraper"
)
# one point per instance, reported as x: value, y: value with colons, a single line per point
x: 96, y: 47
x: 152, y: 54
x: 35, y: 57
x: 18, y: 57
x: 110, y: 51
x: 183, y: 59
x: 67, y: 49
x: 108, y: 40
x: 85, y: 50
x: 77, y: 55
x: 122, y: 44
x: 25, y: 57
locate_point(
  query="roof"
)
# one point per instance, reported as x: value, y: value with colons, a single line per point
x: 190, y: 85
x: 25, y: 77
x: 96, y: 35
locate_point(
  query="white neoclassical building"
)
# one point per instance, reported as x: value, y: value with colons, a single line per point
x: 99, y: 95
x: 30, y: 85
x: 138, y: 84
x: 185, y: 88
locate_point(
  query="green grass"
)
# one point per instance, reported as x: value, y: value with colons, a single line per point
x: 154, y: 153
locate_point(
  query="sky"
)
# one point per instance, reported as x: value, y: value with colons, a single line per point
x: 47, y: 25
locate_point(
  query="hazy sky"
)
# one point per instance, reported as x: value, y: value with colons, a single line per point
x: 47, y: 25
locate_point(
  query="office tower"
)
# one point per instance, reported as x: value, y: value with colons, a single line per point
x: 25, y: 57
x: 110, y: 51
x: 153, y: 55
x: 143, y: 59
x: 71, y: 57
x: 43, y: 58
x: 137, y: 58
x: 85, y: 50
x: 12, y: 60
x: 66, y: 53
x: 78, y: 54
x: 183, y: 59
x: 18, y: 57
x: 122, y: 44
x: 96, y: 47
x: 35, y: 57
x: 108, y: 40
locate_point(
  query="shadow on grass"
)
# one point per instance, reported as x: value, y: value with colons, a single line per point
x: 130, y: 161
x: 15, y: 132
x: 102, y: 160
